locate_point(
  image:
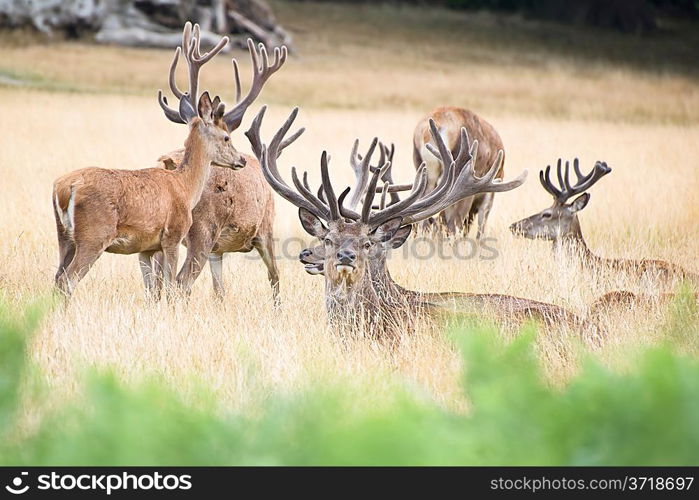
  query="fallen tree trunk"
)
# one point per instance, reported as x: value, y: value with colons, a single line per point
x: 147, y: 23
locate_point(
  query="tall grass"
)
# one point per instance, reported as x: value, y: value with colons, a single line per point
x: 645, y: 417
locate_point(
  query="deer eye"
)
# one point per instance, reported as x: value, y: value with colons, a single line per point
x: 226, y: 138
x: 546, y: 215
x: 328, y: 241
x: 368, y: 244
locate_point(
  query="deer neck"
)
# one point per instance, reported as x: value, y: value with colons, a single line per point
x: 349, y: 302
x: 195, y: 167
x: 386, y: 288
x: 575, y: 241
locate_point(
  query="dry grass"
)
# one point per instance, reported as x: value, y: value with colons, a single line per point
x: 243, y: 349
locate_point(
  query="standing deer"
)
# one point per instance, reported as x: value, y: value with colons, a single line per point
x: 358, y: 286
x: 143, y: 211
x: 450, y: 120
x: 559, y: 223
x: 236, y: 209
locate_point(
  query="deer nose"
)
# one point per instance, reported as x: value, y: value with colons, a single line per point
x: 242, y: 162
x: 305, y: 253
x: 346, y: 257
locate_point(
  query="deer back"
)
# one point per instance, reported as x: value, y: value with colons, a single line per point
x: 450, y: 120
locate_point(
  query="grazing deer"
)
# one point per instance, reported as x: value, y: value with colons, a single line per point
x: 559, y: 223
x: 144, y: 211
x: 450, y: 120
x: 358, y: 286
x: 236, y: 209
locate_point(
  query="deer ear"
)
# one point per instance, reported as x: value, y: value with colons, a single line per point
x: 219, y: 111
x: 312, y: 224
x: 186, y: 110
x: 168, y: 162
x: 205, y: 107
x: 400, y: 236
x: 385, y: 231
x: 580, y: 202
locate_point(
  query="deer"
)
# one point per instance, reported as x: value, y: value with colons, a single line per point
x: 559, y: 224
x: 144, y: 211
x: 458, y: 217
x: 354, y: 245
x: 236, y: 209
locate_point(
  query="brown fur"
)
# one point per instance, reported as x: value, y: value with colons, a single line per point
x: 235, y: 214
x: 625, y: 299
x: 136, y: 211
x: 450, y: 120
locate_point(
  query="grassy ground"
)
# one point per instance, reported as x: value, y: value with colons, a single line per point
x: 360, y: 73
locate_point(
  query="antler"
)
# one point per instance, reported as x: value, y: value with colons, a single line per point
x: 565, y: 191
x: 387, y: 178
x: 457, y: 182
x: 267, y: 156
x: 362, y: 170
x: 191, y: 38
x: 388, y: 188
x: 262, y: 70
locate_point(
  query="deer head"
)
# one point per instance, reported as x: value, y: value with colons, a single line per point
x: 216, y: 125
x: 560, y: 220
x: 313, y: 258
x: 351, y: 240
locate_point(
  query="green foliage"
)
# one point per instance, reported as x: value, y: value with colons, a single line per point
x: 14, y: 334
x: 682, y: 329
x: 647, y: 416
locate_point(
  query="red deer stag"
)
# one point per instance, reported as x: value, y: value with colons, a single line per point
x: 358, y: 286
x: 559, y: 223
x: 450, y: 121
x: 236, y: 209
x: 143, y: 211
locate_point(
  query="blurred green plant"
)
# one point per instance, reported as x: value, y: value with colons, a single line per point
x: 646, y: 417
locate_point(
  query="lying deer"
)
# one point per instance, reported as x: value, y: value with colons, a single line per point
x: 559, y: 223
x: 450, y: 120
x: 236, y: 209
x: 358, y: 286
x: 143, y: 211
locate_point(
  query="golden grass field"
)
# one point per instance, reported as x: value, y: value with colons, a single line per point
x: 359, y: 73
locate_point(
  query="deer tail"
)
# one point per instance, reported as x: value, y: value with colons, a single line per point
x: 66, y: 217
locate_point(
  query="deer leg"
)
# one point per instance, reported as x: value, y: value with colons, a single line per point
x: 454, y: 216
x: 434, y: 171
x: 169, y: 268
x: 66, y: 253
x: 85, y: 256
x: 484, y: 213
x: 265, y: 247
x: 157, y: 266
x: 150, y: 264
x: 216, y: 265
x: 199, y: 247
x: 66, y: 248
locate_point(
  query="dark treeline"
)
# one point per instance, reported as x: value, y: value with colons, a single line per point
x: 627, y: 16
